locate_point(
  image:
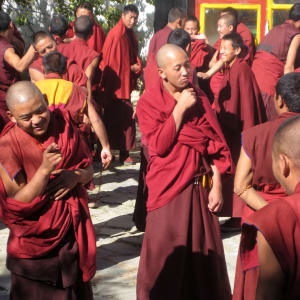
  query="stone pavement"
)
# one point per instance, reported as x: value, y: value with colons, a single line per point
x: 118, y: 241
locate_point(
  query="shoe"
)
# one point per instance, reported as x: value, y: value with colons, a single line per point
x: 231, y: 225
x: 92, y: 203
x: 127, y: 162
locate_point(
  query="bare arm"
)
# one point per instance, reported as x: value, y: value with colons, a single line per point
x: 213, y: 70
x: 215, y: 198
x: 89, y: 72
x: 36, y: 75
x: 19, y: 64
x: 271, y: 279
x: 214, y: 59
x: 292, y: 54
x: 243, y: 178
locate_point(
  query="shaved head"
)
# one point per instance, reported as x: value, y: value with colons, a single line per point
x: 21, y: 92
x: 286, y: 140
x: 83, y: 27
x: 166, y: 53
x: 229, y: 19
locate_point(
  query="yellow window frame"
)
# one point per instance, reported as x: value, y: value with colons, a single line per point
x: 274, y: 6
x: 256, y: 7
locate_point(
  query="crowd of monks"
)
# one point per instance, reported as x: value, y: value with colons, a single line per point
x: 220, y: 131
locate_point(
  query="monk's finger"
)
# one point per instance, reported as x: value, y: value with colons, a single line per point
x: 52, y: 148
x: 55, y: 172
x: 61, y: 193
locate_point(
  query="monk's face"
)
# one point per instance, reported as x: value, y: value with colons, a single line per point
x: 84, y: 12
x: 223, y: 28
x: 176, y: 70
x: 32, y: 116
x: 130, y: 19
x: 227, y: 52
x: 191, y: 27
x: 45, y: 46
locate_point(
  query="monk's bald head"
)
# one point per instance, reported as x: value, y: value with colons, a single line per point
x: 83, y: 27
x: 286, y: 140
x: 21, y: 92
x: 167, y: 53
x: 44, y: 43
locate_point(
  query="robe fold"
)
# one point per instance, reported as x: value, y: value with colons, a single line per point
x: 269, y: 61
x: 96, y: 41
x: 239, y: 106
x: 37, y: 228
x: 182, y: 244
x: 120, y: 51
x: 279, y: 224
x: 74, y: 73
x: 257, y: 143
x: 201, y: 55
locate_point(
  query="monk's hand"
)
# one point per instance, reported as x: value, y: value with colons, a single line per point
x: 63, y: 183
x: 106, y: 156
x: 51, y: 158
x: 136, y: 68
x: 187, y: 98
x: 203, y: 75
x: 215, y: 200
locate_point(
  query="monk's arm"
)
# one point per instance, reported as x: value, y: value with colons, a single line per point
x: 292, y: 54
x: 271, y: 279
x: 36, y: 75
x: 243, y: 179
x: 100, y: 131
x: 214, y: 59
x: 213, y: 70
x: 215, y: 198
x: 19, y: 190
x: 89, y: 72
x: 19, y: 64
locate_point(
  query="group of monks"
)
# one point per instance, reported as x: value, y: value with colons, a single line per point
x: 220, y: 132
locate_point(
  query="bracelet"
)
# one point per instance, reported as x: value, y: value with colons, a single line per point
x: 244, y: 190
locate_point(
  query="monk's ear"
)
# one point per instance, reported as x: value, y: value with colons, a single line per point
x: 161, y: 73
x: 230, y: 27
x: 11, y: 117
x: 284, y: 165
x: 279, y: 100
x: 238, y: 51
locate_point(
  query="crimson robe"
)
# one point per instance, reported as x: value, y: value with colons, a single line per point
x: 120, y: 51
x: 239, y: 106
x: 74, y: 73
x: 257, y: 143
x: 8, y: 76
x: 201, y: 55
x: 269, y: 61
x: 37, y: 228
x: 279, y: 223
x: 96, y: 41
x: 159, y: 39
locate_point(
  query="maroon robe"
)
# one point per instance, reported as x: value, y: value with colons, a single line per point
x: 269, y: 61
x: 96, y: 41
x: 20, y: 45
x: 120, y: 51
x: 239, y: 106
x: 182, y: 244
x: 74, y: 73
x: 279, y: 224
x: 201, y: 55
x: 257, y: 143
x: 8, y: 76
x: 159, y: 39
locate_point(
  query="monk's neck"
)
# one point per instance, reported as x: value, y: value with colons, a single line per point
x: 172, y: 26
x: 232, y: 62
x: 5, y: 35
x: 172, y: 90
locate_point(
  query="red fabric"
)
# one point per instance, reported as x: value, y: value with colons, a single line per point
x: 38, y: 227
x: 96, y: 41
x: 279, y: 224
x: 201, y: 55
x: 74, y: 73
x: 20, y: 47
x: 239, y: 106
x: 151, y: 76
x: 79, y: 52
x: 297, y: 70
x: 8, y: 75
x: 267, y: 70
x: 174, y: 159
x: 120, y: 51
x: 159, y: 39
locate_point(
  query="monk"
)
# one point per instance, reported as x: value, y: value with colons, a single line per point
x: 270, y: 237
x: 180, y: 38
x: 11, y: 63
x: 239, y: 106
x: 65, y: 94
x: 58, y: 28
x: 254, y: 180
x: 176, y: 19
x: 121, y: 66
x: 96, y: 40
x: 275, y: 56
x: 182, y: 246
x: 44, y: 43
x: 51, y: 248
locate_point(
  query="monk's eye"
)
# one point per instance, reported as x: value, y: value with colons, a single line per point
x: 26, y: 118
